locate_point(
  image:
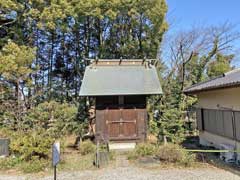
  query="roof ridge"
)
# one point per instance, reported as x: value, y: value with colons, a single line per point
x: 232, y: 71
x: 227, y: 79
x: 200, y: 83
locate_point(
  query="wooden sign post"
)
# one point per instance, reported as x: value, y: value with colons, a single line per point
x: 55, y: 157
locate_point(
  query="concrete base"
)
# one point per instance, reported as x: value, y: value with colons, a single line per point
x: 213, y: 140
x: 122, y: 146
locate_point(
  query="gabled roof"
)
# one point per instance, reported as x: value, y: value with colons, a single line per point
x: 227, y: 80
x: 116, y: 77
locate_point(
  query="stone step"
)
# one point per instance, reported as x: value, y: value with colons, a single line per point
x: 122, y: 146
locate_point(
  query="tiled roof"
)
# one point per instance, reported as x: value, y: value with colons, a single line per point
x: 230, y: 79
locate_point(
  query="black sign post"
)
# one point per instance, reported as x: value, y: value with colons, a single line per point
x: 55, y: 172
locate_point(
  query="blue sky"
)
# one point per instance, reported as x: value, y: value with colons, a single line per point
x: 204, y: 12
x: 183, y: 14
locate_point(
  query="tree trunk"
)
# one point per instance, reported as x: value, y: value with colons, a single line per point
x: 140, y: 38
x: 50, y: 66
x: 99, y: 38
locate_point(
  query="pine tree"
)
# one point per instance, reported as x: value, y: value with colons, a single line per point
x: 220, y: 65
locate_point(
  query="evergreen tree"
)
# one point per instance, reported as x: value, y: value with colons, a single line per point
x: 220, y: 65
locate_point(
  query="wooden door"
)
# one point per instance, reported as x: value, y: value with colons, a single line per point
x: 113, y: 117
x: 121, y: 124
x: 128, y: 124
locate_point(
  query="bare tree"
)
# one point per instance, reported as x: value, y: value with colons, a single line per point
x: 204, y: 42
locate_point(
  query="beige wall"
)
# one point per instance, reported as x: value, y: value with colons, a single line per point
x: 219, y: 99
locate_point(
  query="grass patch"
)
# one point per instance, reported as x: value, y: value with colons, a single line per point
x: 81, y: 159
x: 87, y: 147
x: 15, y: 163
x: 74, y: 162
x: 9, y: 163
x: 34, y: 166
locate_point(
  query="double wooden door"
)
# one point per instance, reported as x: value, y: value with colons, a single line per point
x: 121, y: 123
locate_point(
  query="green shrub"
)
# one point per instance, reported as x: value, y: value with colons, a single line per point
x: 32, y: 149
x: 5, y: 132
x: 31, y: 144
x: 58, y: 119
x: 87, y: 147
x: 9, y: 163
x: 145, y: 149
x: 188, y: 159
x: 170, y: 153
x: 34, y: 166
x: 141, y: 150
x: 173, y: 153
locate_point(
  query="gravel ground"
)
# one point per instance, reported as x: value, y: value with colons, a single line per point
x: 135, y: 173
x: 123, y: 170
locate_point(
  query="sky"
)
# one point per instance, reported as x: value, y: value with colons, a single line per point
x: 184, y: 14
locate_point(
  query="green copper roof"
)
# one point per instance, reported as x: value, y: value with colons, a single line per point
x: 120, y: 80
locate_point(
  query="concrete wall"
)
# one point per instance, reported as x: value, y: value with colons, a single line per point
x: 212, y: 140
x: 209, y: 139
x: 219, y: 99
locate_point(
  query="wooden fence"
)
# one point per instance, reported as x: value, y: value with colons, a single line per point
x: 220, y: 122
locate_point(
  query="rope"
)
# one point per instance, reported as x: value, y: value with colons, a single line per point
x: 211, y: 151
